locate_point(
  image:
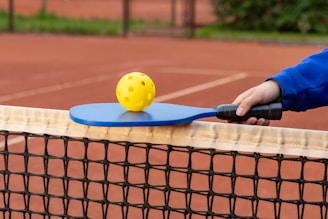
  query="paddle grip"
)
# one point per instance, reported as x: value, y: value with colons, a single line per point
x: 271, y: 111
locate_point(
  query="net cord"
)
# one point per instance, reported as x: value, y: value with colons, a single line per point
x: 201, y: 134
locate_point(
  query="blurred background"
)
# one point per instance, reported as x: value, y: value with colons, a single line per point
x: 271, y: 20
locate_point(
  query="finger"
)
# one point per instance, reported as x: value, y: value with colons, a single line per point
x: 253, y: 121
x: 243, y: 107
x: 246, y: 105
x: 263, y: 122
x: 249, y: 121
x: 243, y: 96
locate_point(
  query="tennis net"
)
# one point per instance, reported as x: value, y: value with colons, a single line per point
x: 51, y: 167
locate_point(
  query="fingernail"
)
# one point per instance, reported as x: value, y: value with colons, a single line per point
x: 240, y: 111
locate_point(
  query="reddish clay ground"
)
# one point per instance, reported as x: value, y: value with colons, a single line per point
x: 33, y: 62
x: 167, y: 60
x: 60, y: 71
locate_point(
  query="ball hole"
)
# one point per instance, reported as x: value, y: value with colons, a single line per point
x: 126, y: 99
x: 131, y: 89
x: 130, y: 77
x: 143, y: 83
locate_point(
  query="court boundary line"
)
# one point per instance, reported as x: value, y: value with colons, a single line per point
x: 165, y: 97
x: 58, y: 87
x: 104, y: 77
x: 195, y: 71
x: 201, y: 87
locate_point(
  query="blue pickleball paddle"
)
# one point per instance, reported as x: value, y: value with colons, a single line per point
x: 161, y: 114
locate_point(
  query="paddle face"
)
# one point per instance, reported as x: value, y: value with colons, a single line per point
x: 157, y: 114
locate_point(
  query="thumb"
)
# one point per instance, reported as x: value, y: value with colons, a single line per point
x: 245, y: 106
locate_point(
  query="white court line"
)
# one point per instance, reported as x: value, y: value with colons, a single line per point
x: 201, y: 87
x: 59, y: 87
x: 165, y: 97
x: 12, y: 141
x: 53, y: 88
x: 194, y: 71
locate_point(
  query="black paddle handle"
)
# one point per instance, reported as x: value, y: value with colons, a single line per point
x: 271, y: 111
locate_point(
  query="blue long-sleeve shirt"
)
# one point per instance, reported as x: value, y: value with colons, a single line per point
x: 305, y: 85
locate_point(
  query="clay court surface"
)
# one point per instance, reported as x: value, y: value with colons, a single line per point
x: 59, y: 71
x: 62, y: 71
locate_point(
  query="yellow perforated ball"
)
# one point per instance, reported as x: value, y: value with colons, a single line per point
x: 135, y: 91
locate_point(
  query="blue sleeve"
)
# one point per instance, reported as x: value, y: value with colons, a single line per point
x: 305, y: 85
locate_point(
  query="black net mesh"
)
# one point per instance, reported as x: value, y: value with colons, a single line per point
x: 44, y: 176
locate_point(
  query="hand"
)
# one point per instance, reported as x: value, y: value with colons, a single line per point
x: 264, y: 93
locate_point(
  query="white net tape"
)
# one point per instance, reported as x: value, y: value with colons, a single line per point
x: 273, y: 140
